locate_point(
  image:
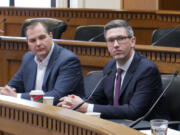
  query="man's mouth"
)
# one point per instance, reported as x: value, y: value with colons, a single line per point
x: 117, y: 52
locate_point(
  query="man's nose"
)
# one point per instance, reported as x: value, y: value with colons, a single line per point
x: 116, y: 43
x: 38, y: 42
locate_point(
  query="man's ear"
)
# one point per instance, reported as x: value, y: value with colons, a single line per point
x: 133, y: 41
x: 51, y: 34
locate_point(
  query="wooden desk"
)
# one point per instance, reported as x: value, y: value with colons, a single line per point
x: 93, y: 55
x: 23, y: 117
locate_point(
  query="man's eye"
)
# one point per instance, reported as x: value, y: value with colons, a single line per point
x: 121, y: 38
x: 32, y: 40
x: 42, y: 37
x: 112, y: 40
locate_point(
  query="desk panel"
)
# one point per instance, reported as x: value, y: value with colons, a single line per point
x: 93, y: 55
x: 23, y: 117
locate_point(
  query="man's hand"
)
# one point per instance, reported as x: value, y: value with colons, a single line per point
x: 8, y: 91
x: 71, y: 101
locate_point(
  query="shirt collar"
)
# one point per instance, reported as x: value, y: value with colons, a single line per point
x: 127, y: 64
x: 46, y: 60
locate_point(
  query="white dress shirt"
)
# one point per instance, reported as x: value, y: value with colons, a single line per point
x: 41, y: 69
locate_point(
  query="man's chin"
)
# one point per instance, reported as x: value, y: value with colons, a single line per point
x: 41, y: 56
x: 118, y: 57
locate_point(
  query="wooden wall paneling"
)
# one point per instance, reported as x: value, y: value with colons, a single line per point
x: 88, y: 55
x: 13, y: 24
x: 168, y: 19
x: 166, y: 58
x: 151, y: 4
x: 12, y: 53
x: 2, y: 24
x: 1, y: 68
x: 92, y: 55
x: 12, y: 62
x: 143, y: 21
x: 144, y: 34
x: 169, y: 5
x: 141, y: 4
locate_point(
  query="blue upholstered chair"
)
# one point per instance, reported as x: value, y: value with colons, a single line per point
x: 169, y: 37
x: 90, y: 33
x: 173, y: 96
x: 91, y: 80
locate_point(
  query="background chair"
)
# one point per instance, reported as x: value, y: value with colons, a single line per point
x: 91, y: 80
x: 90, y: 33
x: 169, y: 37
x: 57, y: 26
x: 173, y: 96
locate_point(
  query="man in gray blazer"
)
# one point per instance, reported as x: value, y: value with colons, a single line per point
x: 48, y: 67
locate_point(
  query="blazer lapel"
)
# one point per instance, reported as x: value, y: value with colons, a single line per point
x: 127, y: 79
x: 129, y: 74
x: 110, y: 82
x: 51, y: 63
x: 32, y: 75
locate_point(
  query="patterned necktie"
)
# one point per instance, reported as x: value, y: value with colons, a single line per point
x: 118, y: 86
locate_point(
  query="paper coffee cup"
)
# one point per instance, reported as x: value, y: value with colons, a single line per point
x: 48, y: 100
x: 37, y: 95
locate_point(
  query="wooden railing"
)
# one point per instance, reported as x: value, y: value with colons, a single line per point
x: 143, y: 22
x: 93, y: 55
x: 23, y: 117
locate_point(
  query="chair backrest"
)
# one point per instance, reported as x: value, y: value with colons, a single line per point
x: 169, y: 37
x: 90, y: 33
x: 173, y: 96
x: 91, y: 80
x: 57, y: 26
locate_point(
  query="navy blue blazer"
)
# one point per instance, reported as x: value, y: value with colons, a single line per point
x: 63, y: 75
x: 141, y: 86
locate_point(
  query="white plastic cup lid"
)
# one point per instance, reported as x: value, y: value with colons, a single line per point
x: 97, y: 114
x: 36, y: 92
x: 46, y: 97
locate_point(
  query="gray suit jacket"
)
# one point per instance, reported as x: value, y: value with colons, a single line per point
x: 63, y: 75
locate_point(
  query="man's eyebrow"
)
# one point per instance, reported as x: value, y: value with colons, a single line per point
x: 118, y: 36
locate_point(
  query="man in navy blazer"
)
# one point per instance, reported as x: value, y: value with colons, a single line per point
x: 140, y: 83
x: 48, y: 67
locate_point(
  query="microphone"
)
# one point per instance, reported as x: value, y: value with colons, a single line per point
x: 68, y: 19
x: 101, y: 34
x: 155, y: 103
x: 165, y: 35
x: 128, y: 19
x: 96, y: 37
x: 2, y: 21
x: 90, y: 95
